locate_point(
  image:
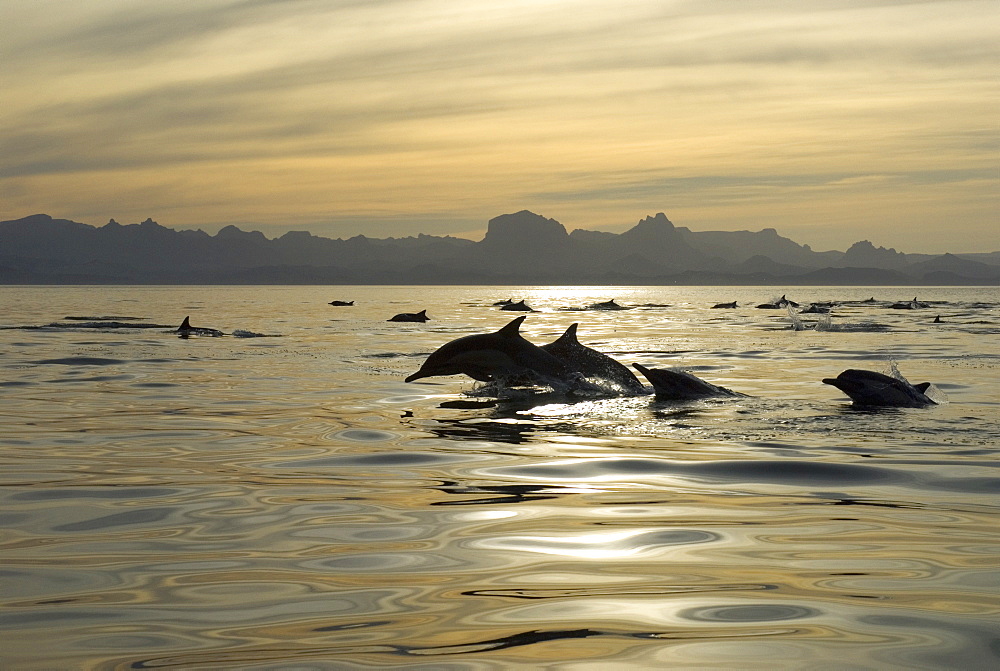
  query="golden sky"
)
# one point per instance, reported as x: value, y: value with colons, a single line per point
x: 832, y: 121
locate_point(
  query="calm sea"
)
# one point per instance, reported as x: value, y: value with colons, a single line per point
x: 288, y: 502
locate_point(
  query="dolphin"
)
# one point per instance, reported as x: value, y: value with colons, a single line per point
x: 816, y: 308
x: 725, y: 305
x: 341, y: 303
x: 483, y: 357
x: 909, y: 305
x: 519, y: 306
x: 186, y: 330
x: 592, y: 364
x: 506, y: 301
x: 782, y: 302
x: 410, y: 317
x: 867, y: 387
x: 607, y: 305
x: 677, y: 385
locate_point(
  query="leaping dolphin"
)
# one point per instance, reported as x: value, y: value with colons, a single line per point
x: 592, y: 364
x: 483, y: 357
x: 866, y: 387
x: 678, y: 385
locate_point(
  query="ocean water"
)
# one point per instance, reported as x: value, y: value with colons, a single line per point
x: 288, y: 502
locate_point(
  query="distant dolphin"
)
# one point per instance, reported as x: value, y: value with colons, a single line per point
x: 506, y: 301
x: 591, y: 363
x: 909, y: 305
x: 607, y: 305
x: 341, y: 303
x: 519, y: 306
x: 725, y: 305
x: 484, y: 357
x: 677, y: 385
x: 185, y: 330
x: 867, y: 387
x: 410, y: 317
x: 816, y: 308
x: 778, y: 304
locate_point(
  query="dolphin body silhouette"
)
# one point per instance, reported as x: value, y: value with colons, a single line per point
x: 185, y: 330
x: 410, y: 317
x: 519, y: 306
x: 484, y: 357
x: 910, y: 305
x: 677, y: 385
x: 608, y: 305
x: 592, y: 364
x: 866, y: 387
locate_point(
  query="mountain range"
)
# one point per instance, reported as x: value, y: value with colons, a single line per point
x: 519, y: 248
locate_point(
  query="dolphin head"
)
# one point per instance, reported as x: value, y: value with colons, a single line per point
x: 866, y: 387
x: 679, y: 385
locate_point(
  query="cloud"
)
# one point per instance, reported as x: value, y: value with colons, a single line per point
x: 309, y: 110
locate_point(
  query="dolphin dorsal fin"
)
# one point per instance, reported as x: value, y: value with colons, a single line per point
x: 569, y: 336
x: 186, y: 324
x: 512, y: 329
x: 922, y: 387
x: 422, y: 313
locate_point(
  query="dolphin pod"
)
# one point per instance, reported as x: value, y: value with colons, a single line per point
x: 507, y: 355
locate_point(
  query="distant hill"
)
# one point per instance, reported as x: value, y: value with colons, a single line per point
x: 518, y: 248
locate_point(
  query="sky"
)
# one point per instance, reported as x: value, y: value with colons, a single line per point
x: 831, y: 121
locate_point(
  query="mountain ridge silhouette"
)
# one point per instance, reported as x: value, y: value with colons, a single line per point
x: 518, y: 248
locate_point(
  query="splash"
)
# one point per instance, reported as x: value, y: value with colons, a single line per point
x: 932, y: 392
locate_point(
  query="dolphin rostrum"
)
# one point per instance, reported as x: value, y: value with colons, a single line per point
x: 678, y: 385
x: 866, y: 387
x: 592, y: 364
x: 483, y: 357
